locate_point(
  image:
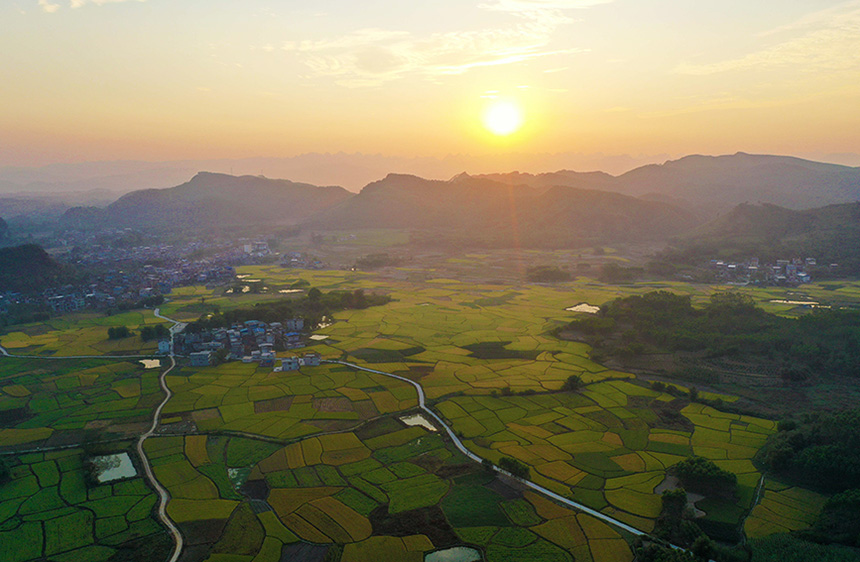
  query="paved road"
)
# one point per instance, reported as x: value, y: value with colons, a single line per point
x: 459, y: 444
x: 163, y: 496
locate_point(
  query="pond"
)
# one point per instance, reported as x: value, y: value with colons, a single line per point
x: 455, y: 554
x: 319, y: 337
x: 114, y: 467
x: 419, y: 420
x: 151, y: 363
x: 290, y: 291
x: 584, y: 307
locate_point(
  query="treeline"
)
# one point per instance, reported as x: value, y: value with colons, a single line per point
x: 547, y: 274
x: 821, y: 450
x: 729, y: 326
x: 312, y: 307
x: 377, y: 261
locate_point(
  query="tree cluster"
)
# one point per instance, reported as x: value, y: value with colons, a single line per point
x: 547, y: 274
x: 118, y: 332
x: 515, y: 467
x: 312, y: 307
x: 701, y: 475
x: 376, y: 261
x: 154, y: 332
x: 729, y: 326
x: 820, y: 450
x: 839, y: 521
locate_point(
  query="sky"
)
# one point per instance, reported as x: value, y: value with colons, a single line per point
x: 96, y: 80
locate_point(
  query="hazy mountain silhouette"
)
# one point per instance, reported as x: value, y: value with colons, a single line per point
x: 212, y: 200
x: 488, y: 209
x: 717, y: 183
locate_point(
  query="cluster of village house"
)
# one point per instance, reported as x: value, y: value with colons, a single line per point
x: 252, y: 341
x: 795, y: 271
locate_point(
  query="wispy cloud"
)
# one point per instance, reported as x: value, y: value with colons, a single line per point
x: 51, y: 7
x: 372, y: 56
x: 48, y: 6
x: 828, y: 40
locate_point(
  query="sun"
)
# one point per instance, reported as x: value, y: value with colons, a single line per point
x: 503, y: 118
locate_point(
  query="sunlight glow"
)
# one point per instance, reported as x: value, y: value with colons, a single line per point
x: 503, y: 118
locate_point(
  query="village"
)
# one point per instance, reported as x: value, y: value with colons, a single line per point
x: 252, y: 341
x: 784, y: 272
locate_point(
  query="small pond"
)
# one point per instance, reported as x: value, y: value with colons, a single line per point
x: 290, y: 291
x: 455, y: 554
x: 114, y: 467
x: 584, y: 307
x: 418, y: 419
x: 319, y: 337
x: 151, y: 363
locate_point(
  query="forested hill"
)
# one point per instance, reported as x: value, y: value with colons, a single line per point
x: 829, y: 234
x: 29, y: 269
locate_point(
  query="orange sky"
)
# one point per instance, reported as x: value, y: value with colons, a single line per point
x: 176, y: 79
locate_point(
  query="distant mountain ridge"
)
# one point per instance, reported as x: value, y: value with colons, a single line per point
x: 210, y: 199
x: 719, y: 182
x: 649, y: 203
x: 488, y: 210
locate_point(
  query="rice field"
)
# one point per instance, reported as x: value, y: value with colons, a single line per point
x: 260, y: 463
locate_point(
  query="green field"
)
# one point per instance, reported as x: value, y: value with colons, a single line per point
x: 258, y: 462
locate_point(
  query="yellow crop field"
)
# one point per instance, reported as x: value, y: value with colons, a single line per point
x: 356, y: 525
x: 182, y: 510
x: 564, y: 532
x: 287, y: 500
x: 295, y: 457
x: 311, y: 450
x: 345, y: 456
x: 610, y: 550
x: 339, y: 441
x: 195, y: 450
x: 20, y: 436
x: 304, y: 529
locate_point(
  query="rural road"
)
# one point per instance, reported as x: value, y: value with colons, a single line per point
x: 459, y: 444
x: 163, y: 496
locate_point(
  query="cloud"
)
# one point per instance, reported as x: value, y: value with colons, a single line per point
x: 828, y: 40
x: 372, y: 56
x: 48, y: 6
x: 51, y: 7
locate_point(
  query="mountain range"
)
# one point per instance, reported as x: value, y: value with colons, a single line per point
x: 650, y: 202
x: 713, y: 184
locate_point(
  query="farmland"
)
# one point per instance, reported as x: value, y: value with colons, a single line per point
x: 260, y: 464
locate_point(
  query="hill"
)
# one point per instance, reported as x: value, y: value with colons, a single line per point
x: 716, y: 183
x: 29, y: 269
x: 770, y: 232
x: 213, y: 199
x: 501, y: 213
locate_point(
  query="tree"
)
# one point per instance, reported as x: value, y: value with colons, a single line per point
x: 572, y: 384
x: 314, y: 294
x: 5, y: 473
